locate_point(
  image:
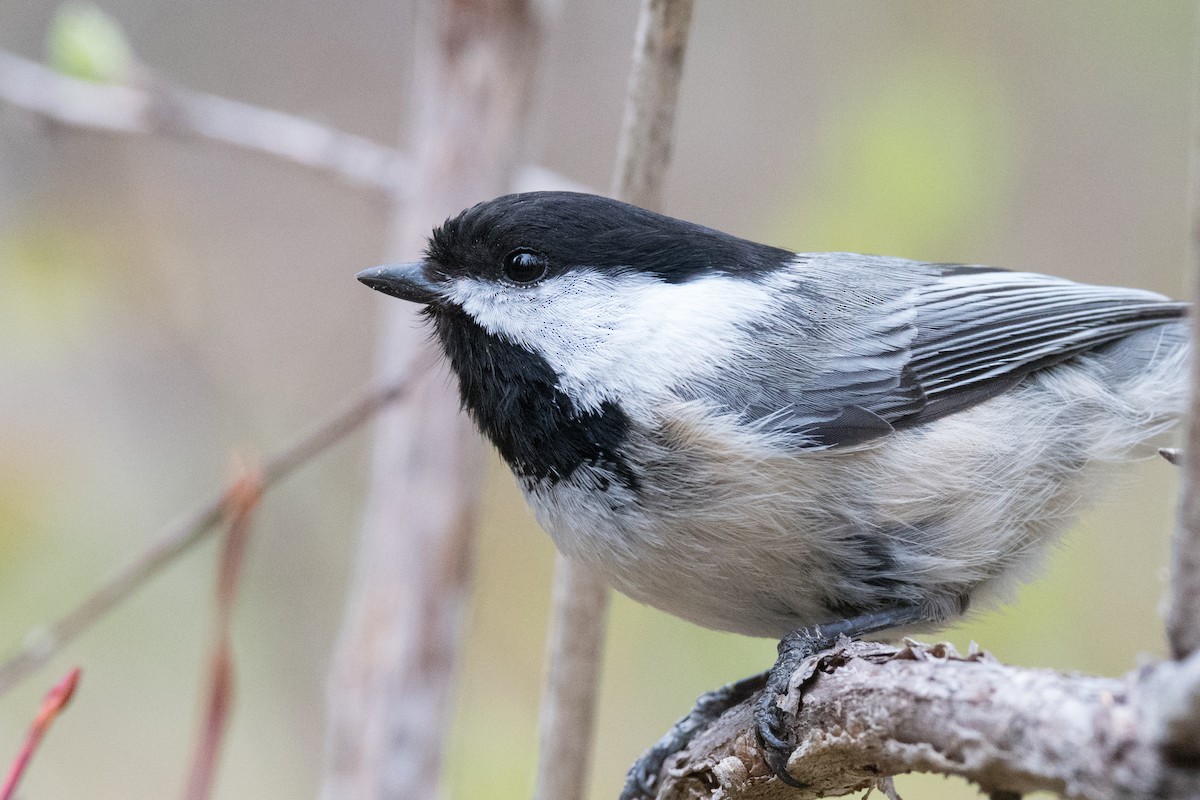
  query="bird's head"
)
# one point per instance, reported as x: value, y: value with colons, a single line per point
x: 577, y: 280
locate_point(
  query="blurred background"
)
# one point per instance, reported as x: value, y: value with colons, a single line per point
x: 166, y: 304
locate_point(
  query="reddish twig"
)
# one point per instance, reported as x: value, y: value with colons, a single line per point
x: 247, y: 490
x: 216, y: 715
x: 53, y: 704
x: 243, y: 497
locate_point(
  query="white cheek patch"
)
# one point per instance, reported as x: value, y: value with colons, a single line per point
x: 560, y: 317
x: 630, y: 337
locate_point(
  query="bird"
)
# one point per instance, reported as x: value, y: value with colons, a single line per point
x: 786, y: 444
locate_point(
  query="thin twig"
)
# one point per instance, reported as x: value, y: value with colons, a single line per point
x: 166, y: 109
x: 53, y: 704
x: 182, y: 535
x: 575, y: 643
x: 644, y: 149
x: 1183, y: 616
x: 576, y: 636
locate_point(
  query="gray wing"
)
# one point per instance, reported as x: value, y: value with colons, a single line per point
x: 958, y: 337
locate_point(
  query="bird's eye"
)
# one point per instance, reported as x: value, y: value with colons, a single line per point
x: 524, y: 266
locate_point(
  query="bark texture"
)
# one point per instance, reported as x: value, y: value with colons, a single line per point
x: 391, y: 687
x: 865, y: 711
x: 1183, y: 615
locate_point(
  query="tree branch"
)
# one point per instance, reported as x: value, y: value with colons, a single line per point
x: 1183, y: 615
x: 644, y: 149
x: 168, y: 110
x: 870, y: 711
x: 391, y: 685
x: 576, y: 637
x: 575, y: 645
x: 160, y: 108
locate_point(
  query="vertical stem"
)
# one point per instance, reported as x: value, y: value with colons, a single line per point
x: 644, y: 149
x: 391, y: 685
x: 1183, y: 617
x: 576, y: 647
x: 580, y: 605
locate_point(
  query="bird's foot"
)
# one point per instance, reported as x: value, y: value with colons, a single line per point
x: 772, y: 711
x: 642, y: 781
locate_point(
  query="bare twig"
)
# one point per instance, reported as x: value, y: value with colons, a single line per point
x: 181, y: 536
x: 1183, y: 616
x: 165, y: 109
x: 870, y: 710
x: 243, y: 498
x: 392, y: 681
x: 644, y: 149
x: 53, y: 704
x: 576, y: 635
x: 576, y: 647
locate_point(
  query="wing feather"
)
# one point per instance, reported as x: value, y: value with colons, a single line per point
x: 950, y: 338
x: 996, y: 326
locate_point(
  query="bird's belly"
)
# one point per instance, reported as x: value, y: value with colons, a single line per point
x: 763, y: 553
x: 722, y: 576
x: 719, y: 534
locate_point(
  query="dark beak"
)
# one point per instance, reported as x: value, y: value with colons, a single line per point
x: 406, y: 281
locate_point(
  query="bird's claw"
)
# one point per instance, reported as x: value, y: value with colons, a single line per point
x: 770, y: 721
x: 641, y: 782
x: 770, y: 724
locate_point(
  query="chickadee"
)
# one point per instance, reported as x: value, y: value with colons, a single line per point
x: 762, y: 441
